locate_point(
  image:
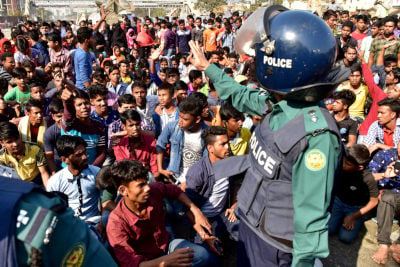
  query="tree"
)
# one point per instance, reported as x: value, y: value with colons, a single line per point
x: 209, y: 5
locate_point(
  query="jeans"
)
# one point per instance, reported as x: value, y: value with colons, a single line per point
x: 201, y: 255
x: 339, y: 211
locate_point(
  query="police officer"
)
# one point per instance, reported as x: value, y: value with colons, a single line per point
x: 37, y: 228
x: 294, y: 152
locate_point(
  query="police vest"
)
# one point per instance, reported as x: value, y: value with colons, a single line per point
x: 11, y: 190
x: 265, y: 202
x: 35, y: 220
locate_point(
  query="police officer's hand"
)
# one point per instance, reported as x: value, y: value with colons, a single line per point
x: 180, y: 257
x: 197, y: 57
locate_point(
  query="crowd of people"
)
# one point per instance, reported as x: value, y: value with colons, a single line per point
x: 122, y: 115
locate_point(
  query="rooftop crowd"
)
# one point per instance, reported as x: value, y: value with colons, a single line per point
x: 119, y: 115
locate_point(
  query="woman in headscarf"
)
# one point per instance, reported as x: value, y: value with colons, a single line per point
x: 144, y: 42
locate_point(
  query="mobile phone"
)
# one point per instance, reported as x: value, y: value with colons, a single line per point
x: 217, y: 246
x: 397, y: 167
x: 216, y: 243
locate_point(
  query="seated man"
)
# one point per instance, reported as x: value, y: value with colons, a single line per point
x: 238, y: 137
x: 8, y: 63
x: 26, y: 158
x: 125, y: 102
x: 76, y: 121
x: 210, y: 195
x: 77, y: 180
x: 145, y: 105
x: 356, y: 194
x: 347, y: 126
x: 135, y: 145
x: 344, y: 39
x: 388, y: 209
x: 355, y: 85
x: 32, y: 127
x: 184, y: 137
x: 51, y: 135
x: 136, y: 227
x: 341, y: 71
x: 385, y: 132
x: 166, y: 111
x: 20, y: 93
x: 207, y: 115
x: 115, y: 85
x: 101, y: 113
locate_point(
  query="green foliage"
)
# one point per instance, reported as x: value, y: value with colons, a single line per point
x: 158, y: 12
x: 209, y: 5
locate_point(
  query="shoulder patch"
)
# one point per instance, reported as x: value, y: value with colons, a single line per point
x: 75, y: 256
x: 315, y: 160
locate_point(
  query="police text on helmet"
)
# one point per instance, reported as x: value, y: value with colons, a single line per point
x: 278, y: 62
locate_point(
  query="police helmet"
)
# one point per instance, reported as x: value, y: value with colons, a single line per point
x: 294, y: 51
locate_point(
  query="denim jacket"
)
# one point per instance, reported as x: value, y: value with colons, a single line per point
x: 173, y: 135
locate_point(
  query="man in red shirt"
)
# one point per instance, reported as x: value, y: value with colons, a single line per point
x: 136, y: 227
x: 377, y: 94
x: 385, y: 132
x: 361, y: 26
x: 135, y: 145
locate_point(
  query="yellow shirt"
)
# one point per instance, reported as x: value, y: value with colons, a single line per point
x: 239, y: 145
x: 357, y: 109
x: 127, y: 79
x: 28, y: 166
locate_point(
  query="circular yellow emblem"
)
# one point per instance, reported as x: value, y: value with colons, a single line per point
x: 315, y: 160
x: 75, y: 256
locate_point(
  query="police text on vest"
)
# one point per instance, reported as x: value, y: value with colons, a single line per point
x: 261, y: 156
x: 278, y: 62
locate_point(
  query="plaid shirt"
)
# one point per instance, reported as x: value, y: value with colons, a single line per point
x: 379, y: 42
x: 375, y: 134
x: 63, y: 57
x: 113, y: 116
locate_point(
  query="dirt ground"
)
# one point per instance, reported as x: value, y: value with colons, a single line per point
x: 341, y: 255
x: 359, y: 253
